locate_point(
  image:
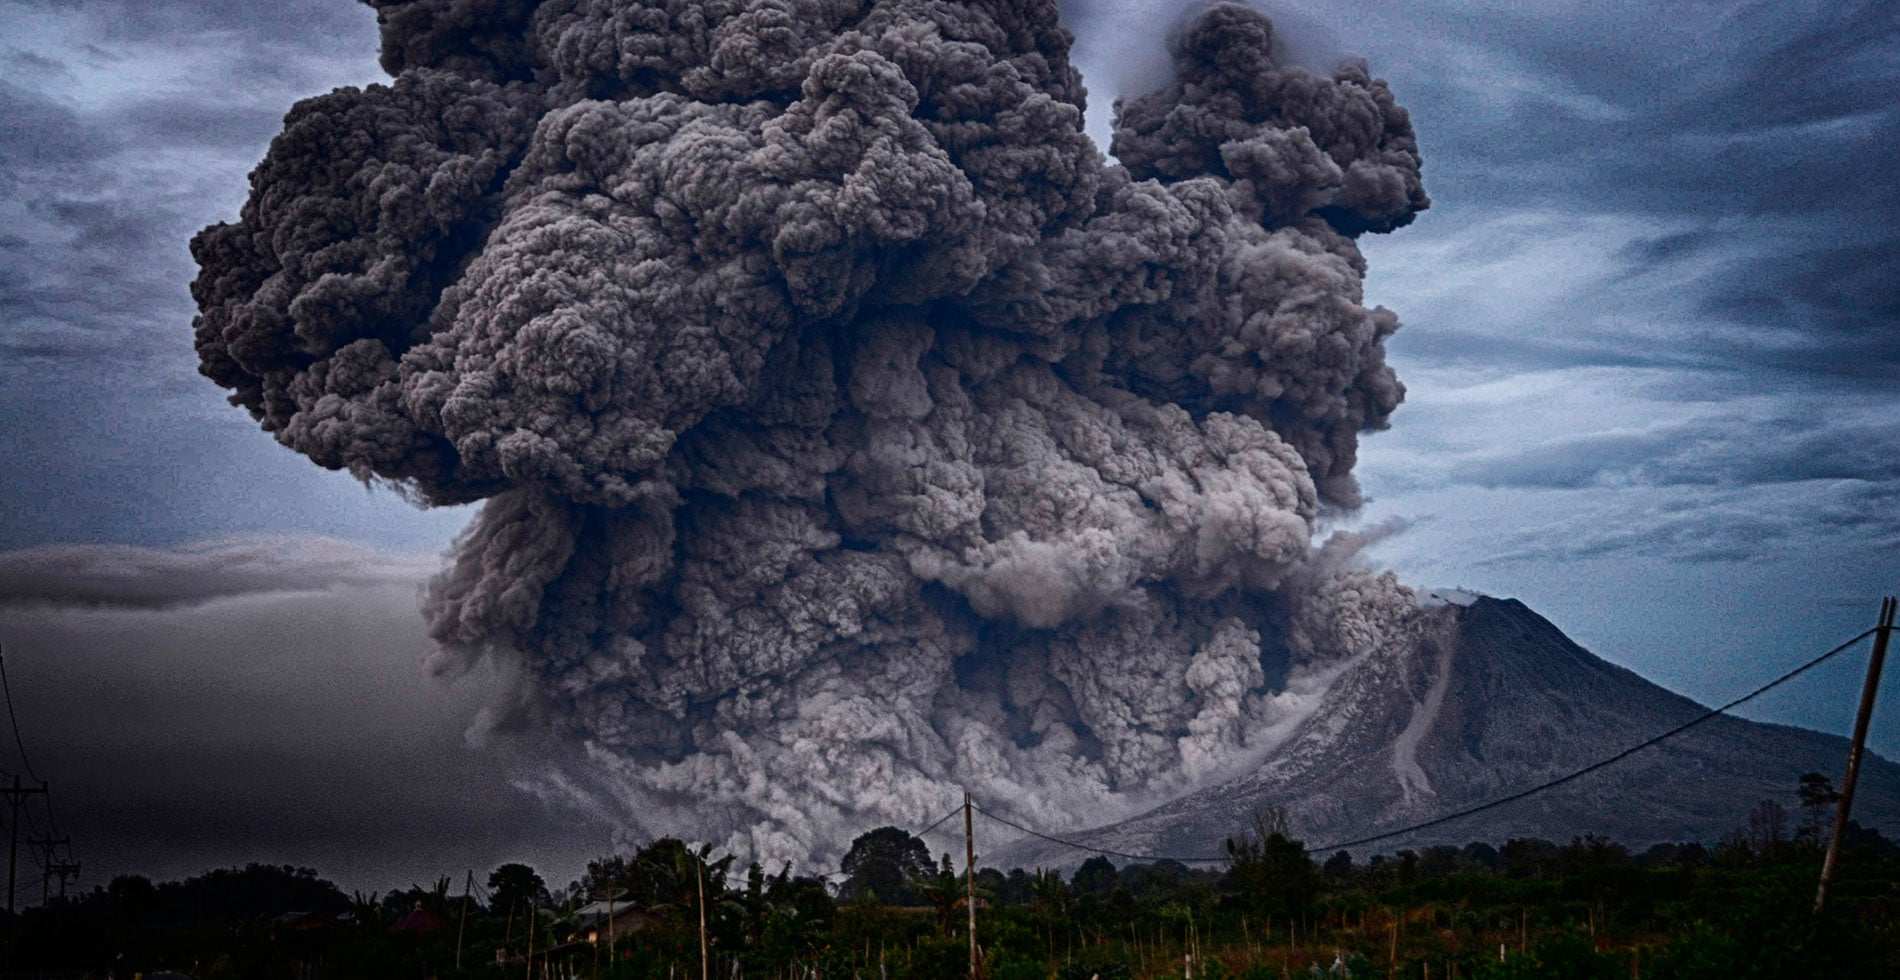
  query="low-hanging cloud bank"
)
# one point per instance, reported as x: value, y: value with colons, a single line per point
x: 257, y: 699
x: 851, y: 432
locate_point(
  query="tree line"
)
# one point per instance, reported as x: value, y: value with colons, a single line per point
x: 1590, y: 907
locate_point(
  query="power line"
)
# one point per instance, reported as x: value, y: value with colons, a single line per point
x: 919, y: 835
x: 13, y: 719
x: 69, y: 867
x: 1612, y: 760
x: 19, y: 745
x: 939, y: 822
x: 1094, y: 850
x: 1482, y: 807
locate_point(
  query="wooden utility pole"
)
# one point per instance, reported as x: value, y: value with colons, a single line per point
x: 534, y: 915
x: 468, y: 884
x: 16, y: 796
x: 1882, y: 632
x: 969, y: 869
x: 1394, y: 970
x: 69, y: 869
x: 705, y: 966
x: 49, y: 847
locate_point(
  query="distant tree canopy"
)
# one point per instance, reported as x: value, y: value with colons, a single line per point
x: 227, y: 894
x: 1273, y: 875
x: 669, y: 873
x: 1588, y: 909
x: 1096, y: 876
x: 515, y: 884
x: 883, y: 863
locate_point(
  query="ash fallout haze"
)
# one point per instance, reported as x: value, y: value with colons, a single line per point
x: 830, y: 406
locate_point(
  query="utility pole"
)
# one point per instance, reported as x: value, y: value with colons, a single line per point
x: 969, y: 869
x: 48, y: 846
x: 705, y: 966
x: 1882, y: 633
x: 16, y: 795
x: 534, y: 917
x: 468, y: 885
x: 69, y: 869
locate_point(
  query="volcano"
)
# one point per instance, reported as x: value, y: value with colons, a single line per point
x: 1495, y: 700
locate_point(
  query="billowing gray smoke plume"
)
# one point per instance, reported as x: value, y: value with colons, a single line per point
x: 850, y: 432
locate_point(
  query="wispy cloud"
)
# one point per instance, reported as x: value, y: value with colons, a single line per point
x: 125, y: 576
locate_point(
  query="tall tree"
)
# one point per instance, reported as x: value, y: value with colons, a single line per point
x: 1818, y: 797
x: 883, y: 863
x: 943, y: 889
x: 514, y: 884
x: 1273, y: 874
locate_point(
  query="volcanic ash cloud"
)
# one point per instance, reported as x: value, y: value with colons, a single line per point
x: 850, y: 431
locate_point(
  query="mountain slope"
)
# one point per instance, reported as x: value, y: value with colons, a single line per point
x: 1496, y: 700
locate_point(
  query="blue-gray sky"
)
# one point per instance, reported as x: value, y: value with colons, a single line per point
x: 1652, y: 343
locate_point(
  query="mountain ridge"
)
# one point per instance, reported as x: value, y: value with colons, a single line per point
x: 1489, y: 699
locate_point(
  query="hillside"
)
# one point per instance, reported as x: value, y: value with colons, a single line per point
x: 1499, y: 700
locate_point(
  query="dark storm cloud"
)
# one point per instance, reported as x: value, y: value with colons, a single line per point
x: 1794, y: 521
x: 1838, y: 308
x: 1781, y: 450
x: 159, y: 578
x: 259, y: 701
x: 37, y: 133
x: 123, y: 129
x: 88, y: 282
x: 108, y: 158
x: 190, y: 120
x: 1700, y: 201
x: 1766, y: 113
x: 111, y: 22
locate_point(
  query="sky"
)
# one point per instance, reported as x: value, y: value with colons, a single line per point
x: 1651, y: 341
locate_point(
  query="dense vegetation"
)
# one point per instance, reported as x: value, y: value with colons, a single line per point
x: 1527, y: 908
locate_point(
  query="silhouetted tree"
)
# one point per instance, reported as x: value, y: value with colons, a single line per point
x: 1096, y: 876
x: 944, y: 891
x: 1767, y: 829
x: 1048, y: 892
x: 515, y: 884
x: 1408, y: 866
x: 1526, y: 857
x: 1338, y: 868
x: 1589, y: 852
x: 883, y: 863
x: 1272, y: 875
x: 1818, y: 798
x: 1478, y: 854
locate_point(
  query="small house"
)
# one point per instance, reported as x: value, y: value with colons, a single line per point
x: 616, y: 918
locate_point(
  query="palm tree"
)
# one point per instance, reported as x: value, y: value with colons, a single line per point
x: 366, y: 910
x: 1048, y: 891
x: 944, y: 891
x: 795, y: 913
x: 1050, y: 895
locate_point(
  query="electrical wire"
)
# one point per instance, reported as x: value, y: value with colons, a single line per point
x: 13, y: 719
x: 939, y: 822
x: 1489, y: 805
x: 1096, y: 850
x: 1603, y: 763
x: 19, y: 745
